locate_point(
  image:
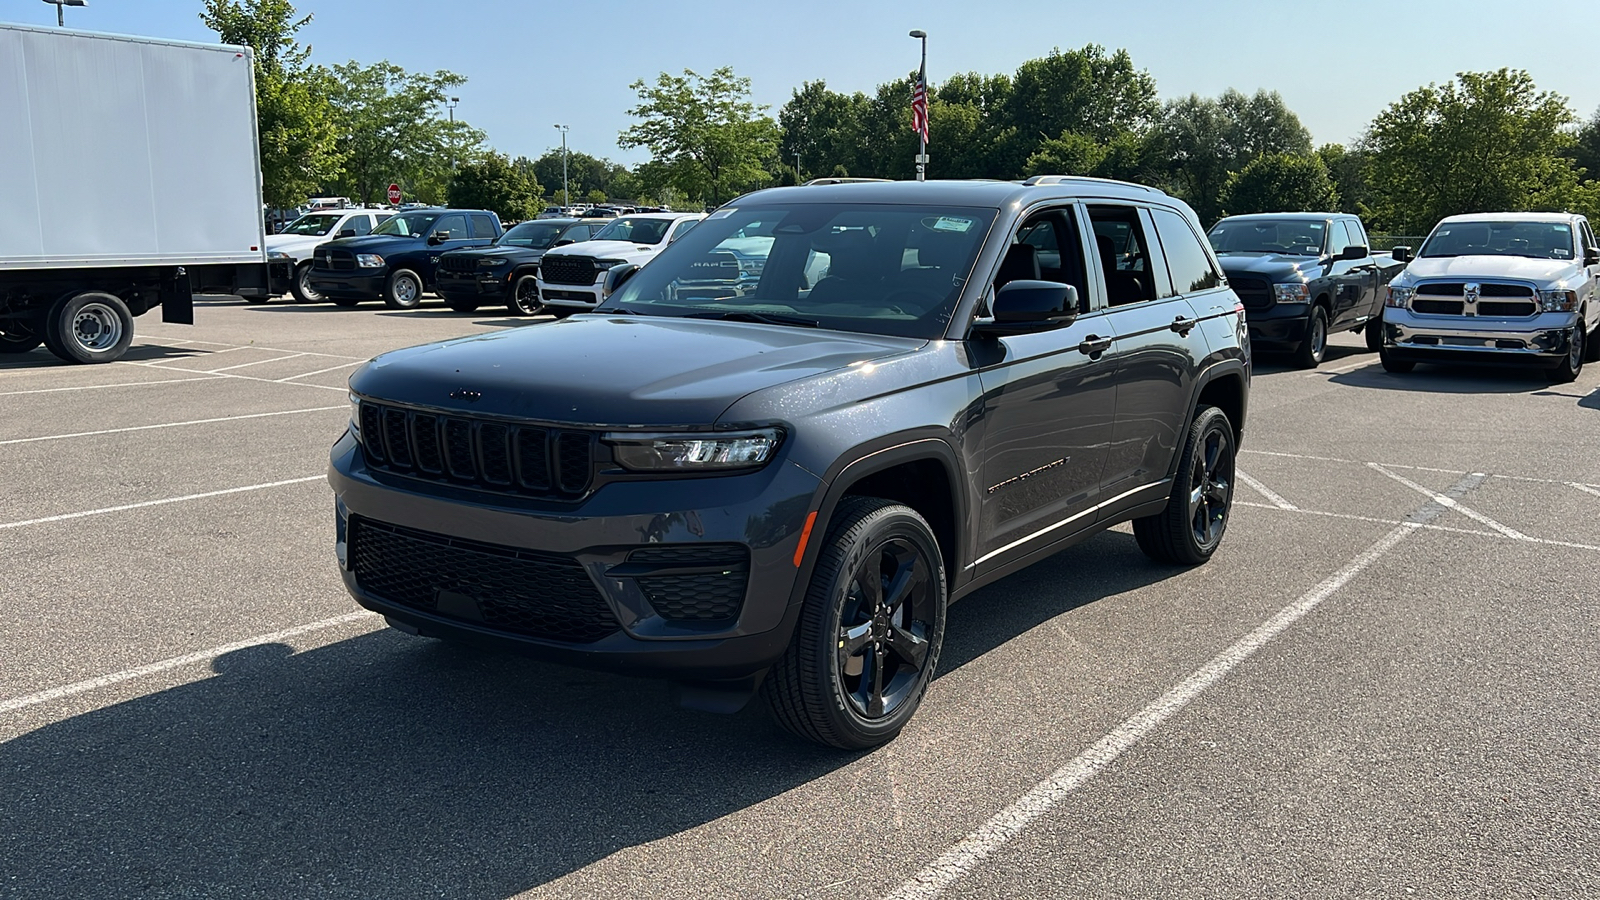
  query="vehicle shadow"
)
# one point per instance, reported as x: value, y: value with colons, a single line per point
x: 40, y: 358
x: 1268, y: 362
x: 390, y: 766
x: 1434, y: 378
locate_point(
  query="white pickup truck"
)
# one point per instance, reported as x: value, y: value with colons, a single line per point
x: 289, y: 251
x: 573, y: 278
x: 1497, y: 288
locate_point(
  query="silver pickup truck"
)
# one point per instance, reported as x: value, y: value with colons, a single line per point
x: 1497, y: 288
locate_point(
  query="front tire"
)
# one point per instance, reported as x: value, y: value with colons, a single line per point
x: 1591, y: 352
x: 524, y: 297
x: 869, y: 635
x: 1315, y: 345
x: 1568, y: 370
x: 91, y: 327
x: 1190, y: 529
x: 301, y: 287
x: 404, y: 290
x: 1395, y: 366
x: 1373, y: 331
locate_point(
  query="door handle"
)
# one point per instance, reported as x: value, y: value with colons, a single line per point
x: 1183, y: 326
x: 1094, y: 345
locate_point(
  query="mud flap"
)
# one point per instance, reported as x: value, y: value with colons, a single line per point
x: 177, y: 297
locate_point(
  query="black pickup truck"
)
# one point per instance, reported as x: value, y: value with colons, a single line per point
x: 1302, y: 276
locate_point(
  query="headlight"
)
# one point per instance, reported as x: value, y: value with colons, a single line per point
x: 278, y: 254
x: 608, y: 263
x: 491, y: 263
x: 1398, y: 297
x: 355, y: 416
x: 1558, y: 301
x: 695, y: 452
x: 1291, y: 293
x: 369, y: 260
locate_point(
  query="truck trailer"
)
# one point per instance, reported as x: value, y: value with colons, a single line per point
x: 130, y: 178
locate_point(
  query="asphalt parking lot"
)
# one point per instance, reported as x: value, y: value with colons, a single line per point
x: 1385, y: 684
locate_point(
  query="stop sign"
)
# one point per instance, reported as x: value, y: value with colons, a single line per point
x: 394, y: 193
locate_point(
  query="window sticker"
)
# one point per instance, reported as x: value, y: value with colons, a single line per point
x: 949, y: 223
x: 1561, y: 228
x: 1560, y: 252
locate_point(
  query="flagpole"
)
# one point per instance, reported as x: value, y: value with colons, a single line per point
x: 922, y: 138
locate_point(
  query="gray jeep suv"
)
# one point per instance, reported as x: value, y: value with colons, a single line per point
x: 780, y: 488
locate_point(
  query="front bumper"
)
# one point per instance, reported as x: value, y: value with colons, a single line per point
x: 763, y: 511
x: 1543, y: 338
x: 362, y: 284
x: 471, y: 286
x: 1283, y: 323
x: 571, y: 296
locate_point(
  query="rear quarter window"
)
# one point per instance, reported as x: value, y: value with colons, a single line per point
x: 1187, y: 261
x: 483, y: 226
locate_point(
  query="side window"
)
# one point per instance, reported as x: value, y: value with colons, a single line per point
x: 455, y: 224
x: 359, y: 224
x: 1122, y: 251
x: 1588, y: 236
x: 1338, y: 238
x: 576, y: 234
x: 482, y: 226
x: 683, y: 228
x: 1191, y: 268
x: 1046, y: 247
x: 1357, y: 235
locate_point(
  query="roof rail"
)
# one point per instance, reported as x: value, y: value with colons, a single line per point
x: 1063, y: 179
x: 842, y: 181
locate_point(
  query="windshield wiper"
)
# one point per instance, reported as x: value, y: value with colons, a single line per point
x: 618, y: 310
x: 765, y: 318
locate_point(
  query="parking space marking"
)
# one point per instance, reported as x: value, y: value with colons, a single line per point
x: 255, y: 347
x: 1584, y: 487
x: 101, y: 387
x: 1339, y: 369
x: 199, y: 656
x: 956, y: 862
x: 1373, y: 519
x: 320, y: 371
x: 1452, y: 504
x: 162, y: 502
x: 220, y: 374
x: 1388, y: 465
x: 1265, y: 491
x: 256, y: 363
x: 76, y: 434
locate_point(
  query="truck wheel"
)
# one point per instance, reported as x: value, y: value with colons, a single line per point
x: 1190, y: 529
x: 869, y: 634
x: 91, y: 327
x: 18, y: 337
x: 404, y: 291
x: 1571, y: 366
x: 1373, y: 331
x: 1397, y: 366
x: 301, y: 287
x: 1591, y: 350
x: 524, y: 297
x: 1315, y: 346
x: 461, y: 306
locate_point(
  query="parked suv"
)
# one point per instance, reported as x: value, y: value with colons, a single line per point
x: 396, y: 262
x: 781, y: 489
x: 573, y: 279
x: 504, y: 272
x: 289, y: 251
x: 1497, y: 288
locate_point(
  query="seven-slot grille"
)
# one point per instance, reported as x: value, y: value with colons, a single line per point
x: 524, y: 459
x: 334, y: 258
x: 1254, y: 293
x: 557, y: 269
x: 453, y: 263
x: 1448, y: 298
x: 541, y: 595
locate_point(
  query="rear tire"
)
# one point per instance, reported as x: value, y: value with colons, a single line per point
x: 1315, y: 345
x: 404, y: 290
x: 1190, y: 529
x: 91, y: 327
x: 869, y: 635
x: 301, y: 286
x: 523, y: 300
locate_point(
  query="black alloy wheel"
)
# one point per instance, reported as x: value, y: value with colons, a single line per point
x: 1191, y: 527
x: 868, y: 640
x: 1315, y: 346
x: 523, y: 300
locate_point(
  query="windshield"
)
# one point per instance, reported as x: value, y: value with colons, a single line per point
x: 635, y: 231
x: 1540, y: 240
x: 879, y: 269
x: 1289, y: 237
x: 311, y: 224
x: 407, y: 224
x: 535, y: 235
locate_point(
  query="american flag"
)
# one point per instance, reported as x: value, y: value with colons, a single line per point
x: 919, y: 104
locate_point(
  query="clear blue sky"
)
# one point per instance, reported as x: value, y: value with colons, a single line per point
x: 531, y: 63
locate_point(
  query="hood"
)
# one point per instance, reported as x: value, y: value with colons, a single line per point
x: 679, y: 371
x: 609, y: 250
x: 374, y: 243
x: 1542, y: 271
x: 1273, y: 267
x: 513, y: 253
x: 293, y: 244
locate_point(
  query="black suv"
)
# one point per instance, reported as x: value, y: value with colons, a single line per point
x: 396, y: 262
x: 930, y: 386
x: 506, y: 271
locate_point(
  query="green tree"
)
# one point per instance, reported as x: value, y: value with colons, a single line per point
x: 392, y: 130
x: 494, y: 183
x: 297, y: 125
x: 1585, y: 150
x: 1488, y: 141
x: 1207, y: 141
x: 1348, y: 169
x: 595, y: 196
x: 1070, y: 154
x: 1281, y: 182
x: 821, y: 128
x: 1087, y: 91
x: 705, y: 130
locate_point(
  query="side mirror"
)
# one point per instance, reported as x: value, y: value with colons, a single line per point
x: 347, y: 232
x: 1591, y: 257
x: 616, y: 277
x: 1023, y: 307
x: 1354, y: 251
x: 1401, y: 253
x: 438, y: 237
x: 564, y: 241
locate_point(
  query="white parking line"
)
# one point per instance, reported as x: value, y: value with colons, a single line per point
x: 956, y: 862
x: 1265, y: 491
x: 1430, y: 527
x: 1338, y: 369
x: 162, y: 502
x: 1442, y: 500
x: 1584, y: 487
x: 76, y: 434
x: 256, y: 363
x: 187, y: 659
x: 255, y: 347
x: 217, y: 373
x: 321, y: 371
x: 99, y: 387
x: 1387, y: 465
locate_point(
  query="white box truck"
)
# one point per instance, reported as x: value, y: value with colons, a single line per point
x: 130, y: 178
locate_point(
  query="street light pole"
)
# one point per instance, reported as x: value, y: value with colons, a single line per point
x: 61, y: 19
x: 922, y: 71
x: 451, y: 105
x: 566, y: 195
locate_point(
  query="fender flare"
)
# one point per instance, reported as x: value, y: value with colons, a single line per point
x: 1211, y: 373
